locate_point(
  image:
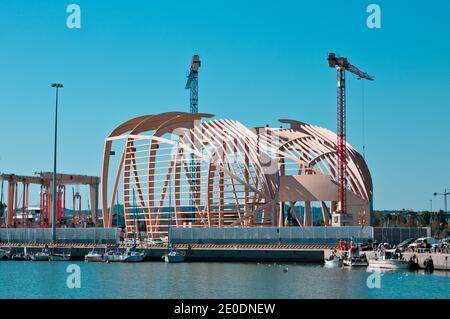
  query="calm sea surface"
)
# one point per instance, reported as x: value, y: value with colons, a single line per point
x: 212, y: 280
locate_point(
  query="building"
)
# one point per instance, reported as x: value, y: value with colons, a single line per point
x: 187, y: 170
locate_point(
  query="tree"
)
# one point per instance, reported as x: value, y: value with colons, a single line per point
x: 387, y: 219
x: 425, y: 218
x: 412, y: 219
x: 377, y: 219
x: 441, y: 219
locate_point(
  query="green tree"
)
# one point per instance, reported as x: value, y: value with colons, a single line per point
x: 411, y: 219
x: 377, y: 219
x: 441, y: 219
x: 425, y: 218
x: 387, y: 219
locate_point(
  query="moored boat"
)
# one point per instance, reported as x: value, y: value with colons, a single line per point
x: 356, y: 261
x: 20, y: 257
x: 23, y: 256
x: 93, y: 256
x: 132, y: 256
x: 113, y: 256
x: 59, y: 257
x: 174, y: 256
x: 333, y: 261
x: 389, y: 260
x: 40, y: 256
x: 353, y: 257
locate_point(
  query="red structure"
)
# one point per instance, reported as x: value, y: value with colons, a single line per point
x: 341, y: 64
x: 44, y: 180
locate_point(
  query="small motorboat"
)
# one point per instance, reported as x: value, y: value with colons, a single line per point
x: 356, y: 261
x: 20, y: 257
x: 93, y: 256
x: 41, y: 256
x: 23, y: 256
x: 333, y: 261
x: 132, y: 256
x: 60, y: 257
x: 112, y: 256
x: 389, y: 259
x: 353, y: 257
x: 174, y: 256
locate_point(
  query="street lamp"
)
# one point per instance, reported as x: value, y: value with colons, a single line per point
x: 57, y: 86
x: 445, y: 194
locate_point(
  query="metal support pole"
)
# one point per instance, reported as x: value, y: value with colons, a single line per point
x: 341, y: 140
x: 57, y: 86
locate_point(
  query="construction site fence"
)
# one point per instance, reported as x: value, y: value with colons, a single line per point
x: 395, y: 235
x: 270, y: 235
x: 63, y: 235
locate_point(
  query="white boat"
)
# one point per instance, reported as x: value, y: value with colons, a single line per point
x: 93, y: 256
x: 389, y: 260
x: 112, y: 256
x: 174, y: 256
x: 59, y: 257
x: 333, y: 261
x: 41, y: 256
x: 132, y: 256
x: 353, y: 258
x: 356, y: 261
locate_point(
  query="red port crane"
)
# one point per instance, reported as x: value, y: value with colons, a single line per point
x: 341, y: 64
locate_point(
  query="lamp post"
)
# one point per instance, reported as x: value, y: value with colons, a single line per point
x: 57, y: 86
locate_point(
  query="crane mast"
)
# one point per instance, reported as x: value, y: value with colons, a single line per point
x: 192, y: 85
x: 341, y: 64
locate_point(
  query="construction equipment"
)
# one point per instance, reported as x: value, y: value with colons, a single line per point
x: 444, y: 194
x: 44, y: 180
x: 2, y: 204
x: 77, y: 217
x: 341, y: 64
x: 192, y: 84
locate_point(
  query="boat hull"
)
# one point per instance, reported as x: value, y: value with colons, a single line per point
x: 20, y: 258
x: 112, y: 258
x: 40, y: 258
x: 133, y: 259
x: 173, y: 259
x: 390, y: 264
x: 59, y: 257
x: 334, y: 263
x: 96, y: 258
x: 355, y: 263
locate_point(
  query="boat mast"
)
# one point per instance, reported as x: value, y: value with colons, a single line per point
x: 135, y: 220
x: 170, y: 211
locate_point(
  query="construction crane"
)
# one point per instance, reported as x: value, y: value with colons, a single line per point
x: 341, y: 64
x: 192, y: 83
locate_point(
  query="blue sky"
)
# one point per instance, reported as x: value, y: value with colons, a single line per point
x: 261, y: 61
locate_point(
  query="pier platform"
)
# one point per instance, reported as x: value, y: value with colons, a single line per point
x: 197, y: 252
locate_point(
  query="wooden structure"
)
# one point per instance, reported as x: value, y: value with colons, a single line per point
x: 244, y: 177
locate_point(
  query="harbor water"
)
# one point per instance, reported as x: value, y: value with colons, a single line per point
x: 213, y: 280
